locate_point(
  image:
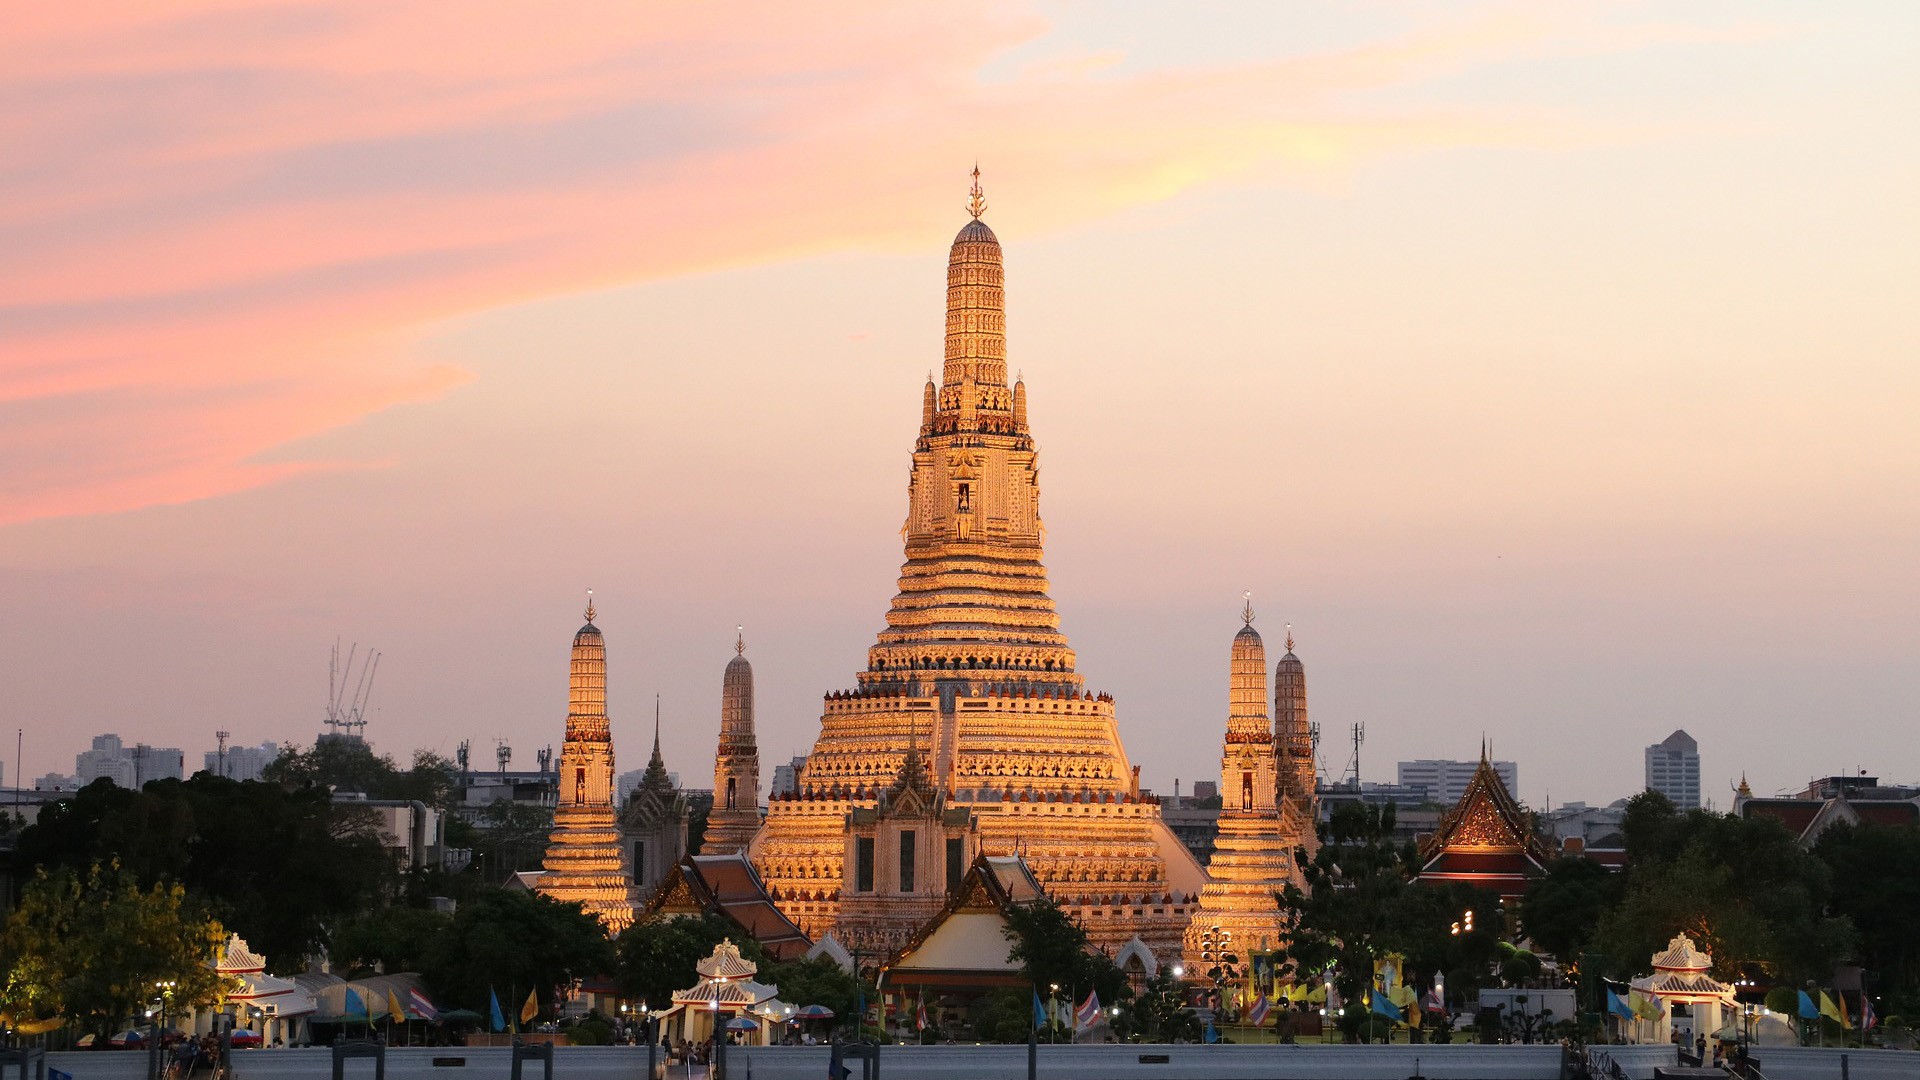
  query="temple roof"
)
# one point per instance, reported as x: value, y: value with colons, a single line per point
x: 1486, y: 833
x: 1680, y: 955
x: 967, y: 934
x: 726, y: 963
x: 726, y: 885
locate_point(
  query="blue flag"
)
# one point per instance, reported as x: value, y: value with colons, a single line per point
x: 1808, y: 1010
x: 1386, y: 1008
x: 1210, y: 1036
x: 356, y: 1005
x: 1617, y: 1007
x: 493, y: 1002
x: 1039, y: 1011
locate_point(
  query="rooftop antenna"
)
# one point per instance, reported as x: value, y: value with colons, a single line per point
x: 502, y: 754
x: 1359, y: 736
x: 220, y: 739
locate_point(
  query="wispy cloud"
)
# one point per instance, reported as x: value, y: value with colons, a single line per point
x: 218, y: 220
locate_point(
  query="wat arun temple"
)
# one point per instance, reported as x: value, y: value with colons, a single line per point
x: 970, y: 730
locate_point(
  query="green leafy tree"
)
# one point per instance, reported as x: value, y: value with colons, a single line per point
x: 276, y: 865
x: 507, y: 837
x: 1876, y: 884
x: 96, y: 946
x: 387, y: 939
x: 1561, y: 910
x: 1052, y: 948
x: 656, y: 956
x: 1744, y: 889
x: 818, y: 981
x: 511, y: 940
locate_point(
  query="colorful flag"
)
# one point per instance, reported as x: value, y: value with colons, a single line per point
x: 1383, y: 1006
x: 394, y: 1011
x: 1088, y: 1014
x: 1619, y: 1008
x: 920, y: 1014
x: 1867, y: 1019
x: 493, y: 1004
x: 1808, y: 1010
x: 531, y: 1009
x: 1257, y: 1015
x: 1434, y: 1003
x: 1209, y: 1036
x: 1039, y: 1011
x: 421, y: 1005
x: 1833, y: 1012
x: 356, y: 1005
x: 1646, y: 1007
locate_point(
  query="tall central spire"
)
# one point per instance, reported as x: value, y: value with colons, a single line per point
x: 976, y: 317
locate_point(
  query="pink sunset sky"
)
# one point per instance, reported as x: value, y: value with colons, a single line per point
x: 1552, y: 368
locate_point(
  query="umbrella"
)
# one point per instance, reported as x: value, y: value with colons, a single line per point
x: 127, y: 1039
x: 815, y: 1012
x: 461, y: 1016
x: 243, y: 1038
x: 743, y: 1023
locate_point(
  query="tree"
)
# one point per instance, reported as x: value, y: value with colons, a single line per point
x: 1052, y: 948
x: 656, y: 956
x: 96, y: 945
x: 1743, y: 889
x: 276, y: 865
x: 818, y: 981
x: 513, y: 940
x: 1561, y: 910
x: 1876, y: 884
x: 389, y: 939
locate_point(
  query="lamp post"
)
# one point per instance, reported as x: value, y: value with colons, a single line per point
x: 646, y: 1032
x: 1053, y: 1009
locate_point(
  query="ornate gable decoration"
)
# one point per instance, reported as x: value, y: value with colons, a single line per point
x: 676, y: 894
x: 1487, y: 819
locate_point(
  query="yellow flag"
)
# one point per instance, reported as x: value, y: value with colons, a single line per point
x: 1833, y: 1012
x: 394, y: 1010
x: 531, y: 1009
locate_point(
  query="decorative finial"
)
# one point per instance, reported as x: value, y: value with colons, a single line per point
x: 740, y: 641
x: 1247, y: 612
x: 590, y: 605
x: 977, y: 199
x: 656, y: 725
x: 1289, y: 637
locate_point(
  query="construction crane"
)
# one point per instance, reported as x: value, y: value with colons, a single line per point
x: 347, y: 715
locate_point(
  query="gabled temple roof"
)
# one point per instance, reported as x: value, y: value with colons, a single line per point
x: 1485, y: 837
x: 727, y: 885
x: 966, y: 938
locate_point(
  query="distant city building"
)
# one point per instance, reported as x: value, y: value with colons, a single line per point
x: 1206, y: 789
x: 54, y: 781
x: 1446, y: 781
x: 241, y: 762
x: 786, y: 778
x: 1673, y: 770
x: 413, y: 834
x: 1414, y: 814
x: 126, y: 767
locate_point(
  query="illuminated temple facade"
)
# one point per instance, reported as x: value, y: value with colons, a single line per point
x: 587, y: 858
x: 973, y: 676
x: 1260, y: 824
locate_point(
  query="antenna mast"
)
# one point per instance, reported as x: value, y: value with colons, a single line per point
x: 1359, y: 736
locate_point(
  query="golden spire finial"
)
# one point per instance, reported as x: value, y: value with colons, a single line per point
x: 589, y: 605
x: 1247, y: 612
x: 740, y: 641
x: 976, y: 199
x: 1289, y: 637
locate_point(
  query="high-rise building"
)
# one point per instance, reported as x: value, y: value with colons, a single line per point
x: 1673, y: 770
x: 1258, y: 828
x: 973, y: 669
x: 786, y: 779
x: 735, y: 816
x: 240, y: 762
x: 127, y: 766
x: 1446, y: 781
x: 587, y: 860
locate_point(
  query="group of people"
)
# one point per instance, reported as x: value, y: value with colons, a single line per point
x: 193, y: 1054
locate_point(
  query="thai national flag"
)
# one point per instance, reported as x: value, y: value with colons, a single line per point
x: 421, y: 1005
x: 1088, y: 1013
x: 1867, y: 1019
x: 1258, y: 1014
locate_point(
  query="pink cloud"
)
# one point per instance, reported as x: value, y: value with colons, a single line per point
x: 219, y: 220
